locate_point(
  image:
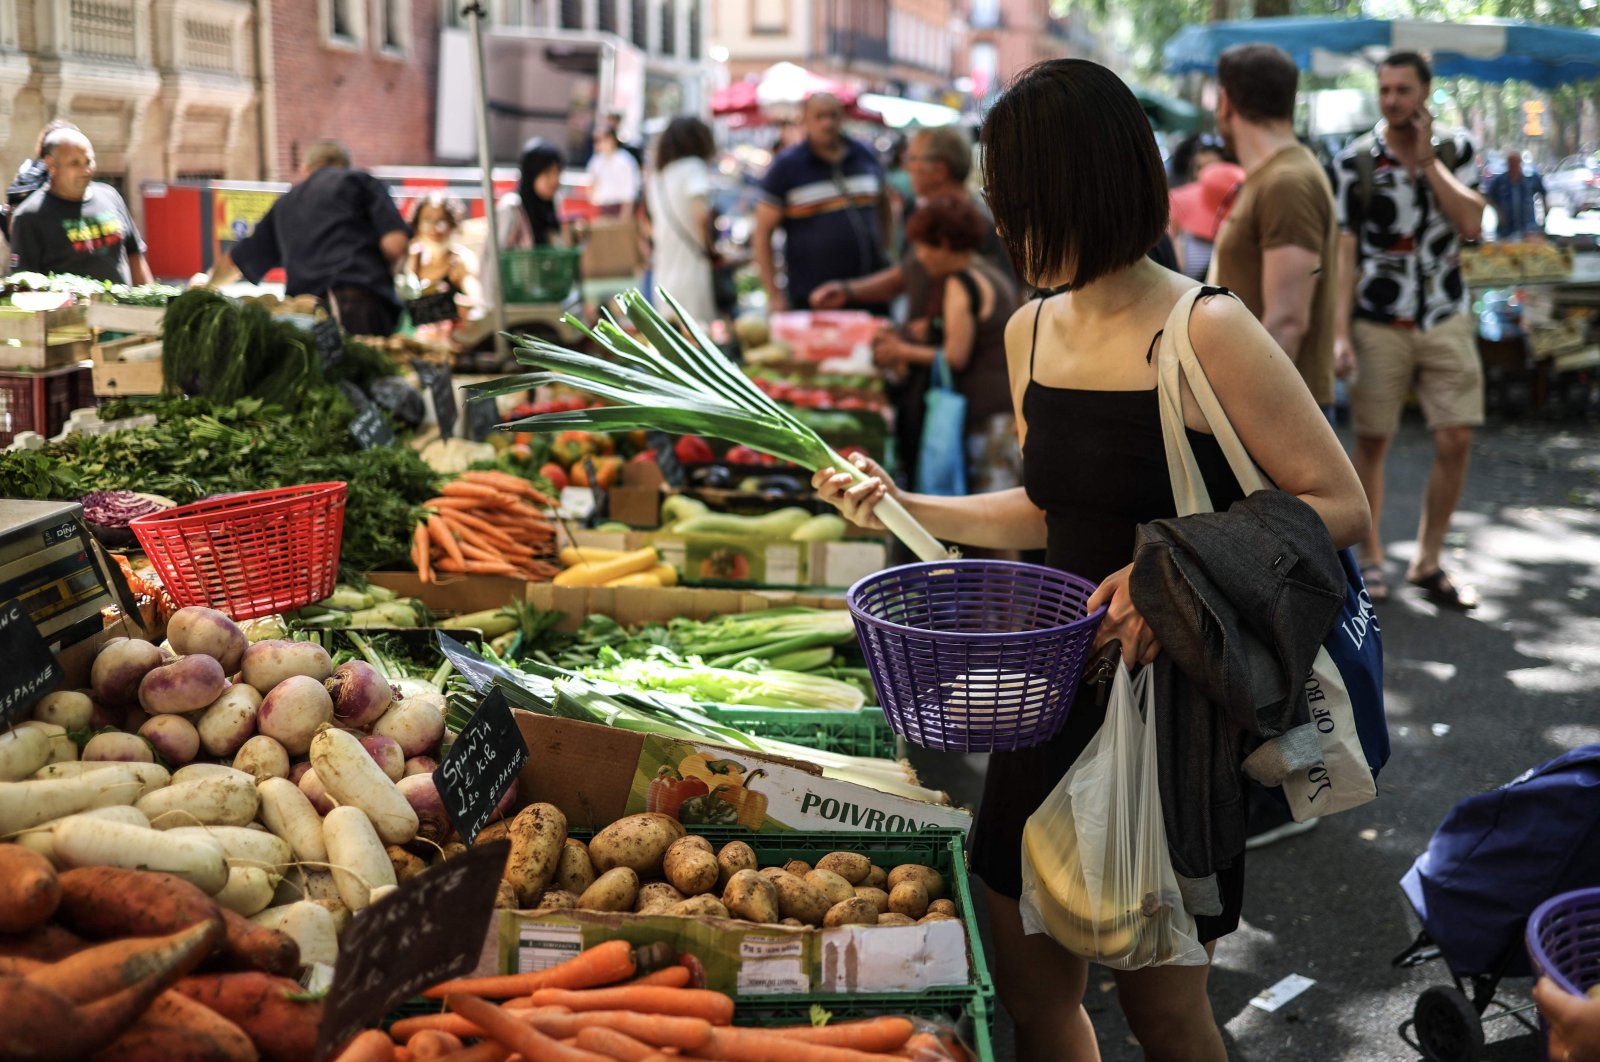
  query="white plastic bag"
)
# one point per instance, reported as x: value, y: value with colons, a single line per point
x: 1096, y: 874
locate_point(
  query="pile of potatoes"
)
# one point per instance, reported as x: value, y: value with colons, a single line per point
x: 647, y: 864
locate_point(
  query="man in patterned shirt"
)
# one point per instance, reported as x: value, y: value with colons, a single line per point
x: 1405, y: 202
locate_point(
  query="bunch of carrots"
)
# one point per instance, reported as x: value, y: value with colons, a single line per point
x: 486, y: 523
x: 599, y: 1007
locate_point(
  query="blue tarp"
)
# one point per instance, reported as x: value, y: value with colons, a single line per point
x: 1487, y: 49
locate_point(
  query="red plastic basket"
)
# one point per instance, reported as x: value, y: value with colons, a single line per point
x: 252, y: 554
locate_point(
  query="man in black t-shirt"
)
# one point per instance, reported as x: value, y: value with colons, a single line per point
x: 338, y: 236
x: 75, y: 224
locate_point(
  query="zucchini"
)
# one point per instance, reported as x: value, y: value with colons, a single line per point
x: 824, y: 527
x: 779, y: 524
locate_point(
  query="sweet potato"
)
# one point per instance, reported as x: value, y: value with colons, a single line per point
x: 29, y: 891
x: 253, y: 947
x: 45, y: 1025
x: 102, y: 971
x: 177, y: 1029
x: 270, y: 1010
x: 112, y: 902
x: 47, y: 943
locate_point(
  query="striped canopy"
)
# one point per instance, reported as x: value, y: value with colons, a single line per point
x: 1487, y: 49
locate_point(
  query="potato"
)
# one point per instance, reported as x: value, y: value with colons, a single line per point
x: 700, y: 907
x: 931, y: 879
x: 832, y: 885
x: 495, y: 831
x: 537, y: 835
x: 893, y: 919
x: 734, y: 857
x: 451, y: 851
x: 877, y: 878
x: 798, y: 867
x: 947, y: 907
x: 505, y: 896
x: 615, y: 890
x: 690, y: 866
x: 656, y: 897
x: 857, y: 912
x: 792, y: 923
x: 638, y: 842
x: 876, y: 897
x: 406, y: 866
x: 798, y: 898
x: 848, y: 865
x: 909, y: 898
x: 556, y: 900
x: 701, y: 843
x: 936, y: 917
x: 751, y: 897
x: 574, y: 870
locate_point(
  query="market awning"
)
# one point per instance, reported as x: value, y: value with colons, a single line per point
x: 1487, y: 49
x: 899, y: 113
x: 784, y: 86
x: 1166, y: 113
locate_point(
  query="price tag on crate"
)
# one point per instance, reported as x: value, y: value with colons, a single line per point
x: 482, y: 764
x: 436, y: 378
x: 329, y: 340
x: 31, y: 670
x: 371, y: 428
x: 430, y: 929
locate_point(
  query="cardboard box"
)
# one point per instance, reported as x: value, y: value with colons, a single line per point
x: 748, y: 959
x: 637, y: 500
x: 611, y: 249
x: 117, y: 317
x: 455, y: 595
x: 44, y: 339
x: 130, y: 366
x: 742, y: 560
x: 634, y: 605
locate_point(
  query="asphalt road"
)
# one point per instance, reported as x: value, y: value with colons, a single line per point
x: 1472, y: 700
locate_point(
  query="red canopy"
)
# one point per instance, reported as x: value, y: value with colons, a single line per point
x: 783, y: 85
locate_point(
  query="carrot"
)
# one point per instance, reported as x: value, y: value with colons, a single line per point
x: 177, y: 1028
x: 475, y: 552
x: 454, y: 1024
x: 683, y: 1002
x: 660, y: 1030
x: 514, y: 1035
x: 477, y: 523
x: 98, y: 972
x: 271, y: 1010
x: 873, y: 1034
x: 472, y: 567
x: 443, y: 502
x: 373, y: 1045
x: 419, y: 551
x: 612, y: 1044
x: 29, y: 889
x: 459, y: 489
x: 444, y: 539
x: 509, y: 483
x: 602, y: 964
x: 759, y: 1045
x: 670, y: 977
x: 488, y: 1051
x: 431, y: 1044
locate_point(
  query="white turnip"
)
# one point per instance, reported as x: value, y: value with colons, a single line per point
x: 173, y: 737
x: 317, y: 793
x: 423, y: 796
x: 66, y: 708
x: 293, y: 712
x: 268, y: 663
x: 119, y: 748
x: 360, y: 694
x: 230, y: 720
x: 354, y: 779
x: 188, y: 684
x: 298, y: 771
x: 420, y: 765
x: 417, y: 723
x: 262, y: 757
x: 119, y: 668
x: 385, y: 752
x: 208, y: 632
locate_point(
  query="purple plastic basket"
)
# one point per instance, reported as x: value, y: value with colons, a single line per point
x: 1564, y: 940
x: 975, y: 655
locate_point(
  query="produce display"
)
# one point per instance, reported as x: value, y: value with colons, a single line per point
x: 485, y: 523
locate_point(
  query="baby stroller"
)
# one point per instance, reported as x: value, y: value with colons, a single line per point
x: 1495, y: 858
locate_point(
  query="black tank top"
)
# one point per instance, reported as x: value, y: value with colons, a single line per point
x: 1096, y: 464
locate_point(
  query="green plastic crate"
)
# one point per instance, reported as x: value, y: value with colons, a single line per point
x: 538, y: 274
x: 863, y: 733
x: 967, y: 1009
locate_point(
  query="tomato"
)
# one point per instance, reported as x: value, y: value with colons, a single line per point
x: 693, y: 450
x: 743, y: 455
x: 555, y: 474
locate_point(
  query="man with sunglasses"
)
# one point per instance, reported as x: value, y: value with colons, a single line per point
x: 1278, y: 246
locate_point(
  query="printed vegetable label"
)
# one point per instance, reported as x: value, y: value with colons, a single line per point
x: 540, y: 947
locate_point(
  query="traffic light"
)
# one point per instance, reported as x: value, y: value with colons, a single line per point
x: 1532, y: 118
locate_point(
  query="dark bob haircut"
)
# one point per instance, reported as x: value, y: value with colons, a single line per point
x: 684, y: 138
x: 1072, y: 173
x: 948, y: 221
x: 1414, y: 60
x: 1260, y: 80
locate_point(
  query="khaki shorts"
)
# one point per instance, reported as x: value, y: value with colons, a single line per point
x: 1442, y: 363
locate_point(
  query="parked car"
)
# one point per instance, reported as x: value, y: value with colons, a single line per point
x: 1575, y: 184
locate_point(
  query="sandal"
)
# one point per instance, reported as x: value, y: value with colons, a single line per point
x: 1440, y: 589
x: 1377, y: 585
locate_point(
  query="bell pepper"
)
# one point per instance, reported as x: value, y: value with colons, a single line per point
x: 713, y: 772
x: 693, y: 450
x: 711, y: 809
x: 668, y: 790
x: 750, y: 805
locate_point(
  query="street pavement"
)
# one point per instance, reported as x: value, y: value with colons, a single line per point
x: 1473, y: 701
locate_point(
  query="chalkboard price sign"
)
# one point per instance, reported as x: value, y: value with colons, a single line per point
x: 666, y: 458
x: 371, y: 428
x: 481, y: 766
x: 30, y: 671
x: 329, y: 340
x: 436, y: 378
x: 430, y: 929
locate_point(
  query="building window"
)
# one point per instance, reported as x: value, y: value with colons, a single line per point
x: 695, y: 43
x: 669, y: 27
x: 639, y: 24
x: 985, y: 14
x: 342, y: 22
x: 393, y: 20
x: 608, y: 16
x: 572, y: 14
x: 769, y: 16
x: 343, y: 25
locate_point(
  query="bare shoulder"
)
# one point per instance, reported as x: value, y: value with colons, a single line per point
x: 1019, y: 327
x: 1223, y: 330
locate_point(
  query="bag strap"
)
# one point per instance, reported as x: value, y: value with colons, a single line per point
x: 672, y: 219
x: 1176, y: 363
x: 943, y: 379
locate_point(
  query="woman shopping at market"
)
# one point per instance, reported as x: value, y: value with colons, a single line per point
x: 440, y: 263
x: 1083, y: 384
x: 678, y: 195
x: 945, y: 234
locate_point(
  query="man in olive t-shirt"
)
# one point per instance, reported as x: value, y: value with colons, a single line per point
x: 1278, y: 249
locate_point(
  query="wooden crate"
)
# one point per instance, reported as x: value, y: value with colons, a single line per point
x: 119, y: 368
x: 136, y: 320
x: 46, y: 339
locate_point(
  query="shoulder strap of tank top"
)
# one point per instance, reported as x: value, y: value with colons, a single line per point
x: 1034, y: 346
x: 1206, y: 291
x: 970, y: 286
